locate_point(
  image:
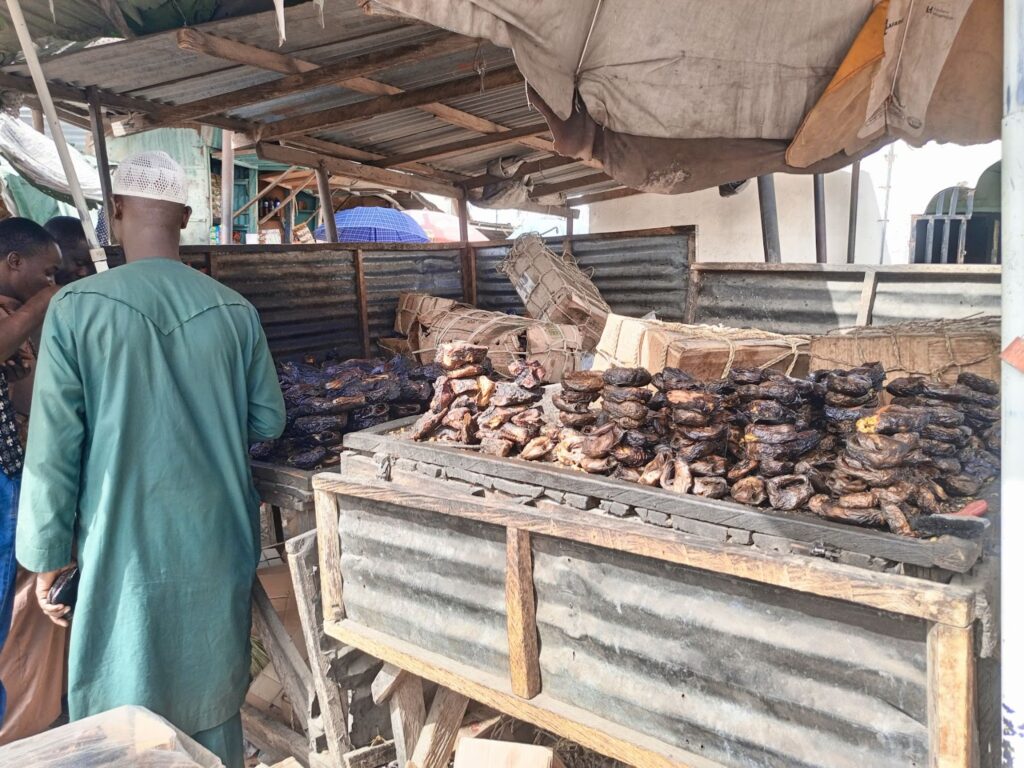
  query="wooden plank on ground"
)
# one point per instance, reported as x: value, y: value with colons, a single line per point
x: 608, y: 738
x: 291, y: 670
x: 272, y: 736
x: 387, y: 680
x: 437, y: 739
x: 889, y: 592
x: 952, y: 730
x: 476, y: 753
x: 520, y: 607
x: 408, y: 713
x: 370, y: 757
x: 946, y: 552
x: 332, y: 700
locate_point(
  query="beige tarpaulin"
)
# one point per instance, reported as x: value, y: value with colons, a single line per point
x: 672, y: 97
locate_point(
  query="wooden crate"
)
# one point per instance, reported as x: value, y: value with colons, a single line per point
x: 289, y: 492
x: 649, y: 645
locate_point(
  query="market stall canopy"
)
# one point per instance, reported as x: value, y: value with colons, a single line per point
x: 687, y: 96
x: 34, y: 156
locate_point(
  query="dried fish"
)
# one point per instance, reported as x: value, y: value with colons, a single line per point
x: 711, y: 487
x: 583, y: 381
x: 457, y: 354
x: 627, y: 377
x: 749, y: 490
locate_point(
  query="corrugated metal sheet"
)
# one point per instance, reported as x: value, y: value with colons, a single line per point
x: 389, y: 273
x: 739, y: 673
x: 306, y: 297
x: 814, y: 301
x: 636, y: 273
x: 409, y: 577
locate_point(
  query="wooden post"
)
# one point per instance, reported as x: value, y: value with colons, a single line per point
x: 227, y: 187
x: 273, y: 736
x: 99, y: 142
x: 284, y: 656
x: 437, y: 739
x: 37, y: 121
x: 329, y: 548
x: 769, y: 219
x: 867, y: 297
x: 323, y: 179
x: 332, y: 700
x: 363, y: 299
x: 468, y: 254
x: 523, y: 653
x: 952, y: 732
x: 567, y: 247
x: 851, y: 237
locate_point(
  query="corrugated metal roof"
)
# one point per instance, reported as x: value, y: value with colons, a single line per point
x: 154, y: 68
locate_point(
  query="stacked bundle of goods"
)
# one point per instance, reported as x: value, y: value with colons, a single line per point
x: 470, y: 408
x: 326, y: 398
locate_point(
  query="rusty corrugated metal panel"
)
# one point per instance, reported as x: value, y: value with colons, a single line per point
x: 636, y: 273
x: 306, y: 297
x: 411, y: 578
x: 390, y: 273
x: 814, y: 301
x: 743, y: 674
x: 739, y: 673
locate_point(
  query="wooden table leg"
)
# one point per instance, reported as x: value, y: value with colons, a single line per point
x: 952, y: 733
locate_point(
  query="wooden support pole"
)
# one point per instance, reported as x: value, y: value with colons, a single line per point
x: 323, y: 179
x: 567, y: 247
x: 820, y: 239
x: 363, y: 299
x: 408, y: 714
x: 332, y: 700
x: 543, y: 190
x: 37, y: 120
x: 867, y: 298
x: 329, y: 549
x: 437, y: 739
x: 386, y: 682
x: 469, y: 291
x: 99, y: 142
x: 520, y: 608
x: 600, y: 197
x: 291, y: 670
x: 455, y: 147
x: 769, y: 219
x: 952, y: 730
x: 227, y: 187
x: 526, y: 169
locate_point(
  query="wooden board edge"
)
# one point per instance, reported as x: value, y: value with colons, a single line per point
x: 571, y: 722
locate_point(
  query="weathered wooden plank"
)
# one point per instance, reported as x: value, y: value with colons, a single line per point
x: 604, y: 736
x: 292, y: 671
x: 437, y: 739
x: 408, y: 714
x: 947, y: 552
x: 952, y: 731
x: 370, y: 757
x: 329, y: 549
x: 362, y: 296
x: 897, y: 594
x: 521, y: 610
x: 271, y: 736
x: 867, y: 298
x: 332, y: 701
x: 387, y: 680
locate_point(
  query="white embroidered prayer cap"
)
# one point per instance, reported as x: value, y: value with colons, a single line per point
x: 153, y: 175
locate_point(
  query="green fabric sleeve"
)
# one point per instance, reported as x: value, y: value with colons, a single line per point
x: 266, y: 403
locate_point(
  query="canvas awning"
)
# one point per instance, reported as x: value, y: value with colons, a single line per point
x: 683, y: 96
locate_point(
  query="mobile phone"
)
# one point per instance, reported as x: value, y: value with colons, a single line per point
x: 64, y: 590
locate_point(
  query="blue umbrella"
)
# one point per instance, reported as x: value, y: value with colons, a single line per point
x: 374, y: 225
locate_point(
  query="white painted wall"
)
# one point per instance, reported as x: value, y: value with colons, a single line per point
x: 729, y: 228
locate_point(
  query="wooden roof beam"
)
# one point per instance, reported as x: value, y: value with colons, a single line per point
x: 253, y: 56
x: 568, y: 185
x: 341, y: 167
x: 331, y: 74
x: 600, y: 197
x: 360, y: 155
x: 456, y: 147
x: 381, y: 105
x: 526, y: 169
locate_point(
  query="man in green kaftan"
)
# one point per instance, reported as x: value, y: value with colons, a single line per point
x: 152, y: 381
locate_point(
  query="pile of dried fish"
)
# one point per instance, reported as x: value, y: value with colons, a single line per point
x: 470, y: 408
x: 327, y: 398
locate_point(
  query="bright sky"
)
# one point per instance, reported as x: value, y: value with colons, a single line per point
x: 917, y: 175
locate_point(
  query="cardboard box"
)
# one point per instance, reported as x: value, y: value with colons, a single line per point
x: 555, y: 289
x: 936, y: 349
x: 705, y: 352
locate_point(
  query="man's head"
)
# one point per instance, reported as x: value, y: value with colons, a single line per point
x: 29, y: 258
x: 150, y: 194
x: 74, y: 248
